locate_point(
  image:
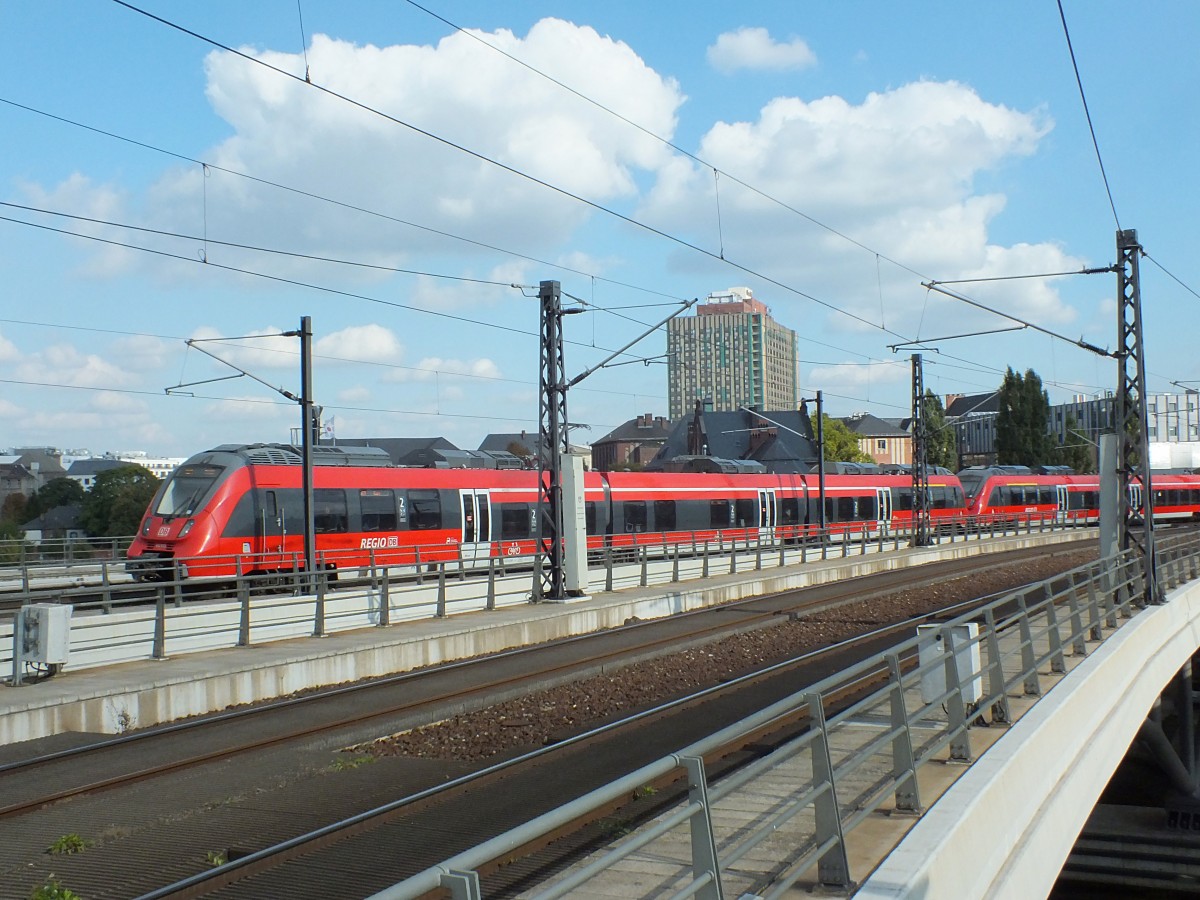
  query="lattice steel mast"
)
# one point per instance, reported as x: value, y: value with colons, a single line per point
x: 1133, y: 454
x: 553, y: 439
x: 920, y: 458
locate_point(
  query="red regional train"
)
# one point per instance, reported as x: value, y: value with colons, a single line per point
x: 240, y: 508
x: 1011, y: 492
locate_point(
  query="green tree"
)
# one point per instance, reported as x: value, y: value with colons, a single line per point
x: 12, y: 511
x: 841, y: 444
x: 117, y: 501
x: 1076, y: 451
x: 54, y: 493
x: 1022, y: 425
x: 941, y: 449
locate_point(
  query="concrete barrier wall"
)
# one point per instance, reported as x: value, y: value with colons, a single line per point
x: 1007, y: 825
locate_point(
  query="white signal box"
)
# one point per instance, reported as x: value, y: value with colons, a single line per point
x: 47, y: 632
x: 967, y: 662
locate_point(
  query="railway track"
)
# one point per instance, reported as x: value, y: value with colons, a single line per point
x: 347, y: 715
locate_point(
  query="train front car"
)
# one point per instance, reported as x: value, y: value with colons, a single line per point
x: 184, y: 520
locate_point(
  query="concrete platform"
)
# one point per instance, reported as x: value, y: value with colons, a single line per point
x: 139, y: 694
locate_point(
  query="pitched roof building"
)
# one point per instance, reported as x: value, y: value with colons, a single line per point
x: 884, y: 442
x: 635, y: 442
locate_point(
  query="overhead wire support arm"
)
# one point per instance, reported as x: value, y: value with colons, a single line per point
x: 1081, y: 343
x: 191, y: 342
x: 684, y: 307
x: 951, y: 337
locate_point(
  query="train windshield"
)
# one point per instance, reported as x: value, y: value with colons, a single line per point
x: 187, y: 489
x: 971, y: 481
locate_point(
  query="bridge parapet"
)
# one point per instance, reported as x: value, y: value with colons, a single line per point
x: 810, y: 813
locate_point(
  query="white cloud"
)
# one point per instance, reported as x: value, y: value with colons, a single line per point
x: 896, y: 172
x: 361, y: 343
x: 145, y: 353
x: 435, y: 368
x: 65, y: 364
x: 457, y: 90
x: 854, y: 376
x: 8, y: 350
x: 754, y: 48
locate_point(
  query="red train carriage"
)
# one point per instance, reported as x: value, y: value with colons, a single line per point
x: 1007, y: 495
x: 239, y: 508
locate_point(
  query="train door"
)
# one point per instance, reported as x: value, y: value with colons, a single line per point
x: 768, y: 515
x: 270, y: 530
x: 475, y: 543
x: 1135, y: 502
x: 1064, y: 502
x: 883, y: 500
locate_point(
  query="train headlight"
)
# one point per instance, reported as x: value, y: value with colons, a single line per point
x: 187, y: 527
x: 146, y: 526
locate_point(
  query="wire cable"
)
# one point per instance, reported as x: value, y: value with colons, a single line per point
x: 1087, y: 112
x: 474, y: 154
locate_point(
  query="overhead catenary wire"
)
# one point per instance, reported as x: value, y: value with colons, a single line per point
x: 382, y: 215
x: 350, y: 207
x: 474, y: 154
x: 1088, y: 113
x: 426, y: 273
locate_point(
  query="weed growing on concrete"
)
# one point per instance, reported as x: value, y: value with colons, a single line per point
x: 67, y: 844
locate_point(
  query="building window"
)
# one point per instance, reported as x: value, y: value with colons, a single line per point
x: 881, y: 444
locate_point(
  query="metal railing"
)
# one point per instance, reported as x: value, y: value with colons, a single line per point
x: 786, y: 816
x: 115, y: 623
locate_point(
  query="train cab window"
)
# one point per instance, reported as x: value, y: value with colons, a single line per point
x: 378, y: 509
x: 747, y: 513
x: 330, y: 515
x: 634, y: 515
x: 424, y: 510
x: 186, y: 489
x: 515, y: 521
x: 664, y: 515
x: 789, y: 511
x: 720, y: 513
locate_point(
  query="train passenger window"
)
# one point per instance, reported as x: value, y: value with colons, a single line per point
x: 789, y: 511
x: 635, y: 515
x: 589, y: 514
x: 378, y: 509
x: 937, y: 497
x: 996, y: 497
x: 514, y: 521
x: 720, y: 513
x: 424, y: 510
x: 1046, y: 494
x: 902, y: 498
x: 330, y: 515
x: 867, y: 508
x: 747, y: 513
x: 664, y: 515
x: 846, y: 509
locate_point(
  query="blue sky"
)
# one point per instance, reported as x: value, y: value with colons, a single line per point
x: 860, y: 149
